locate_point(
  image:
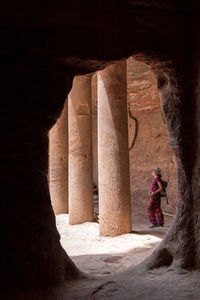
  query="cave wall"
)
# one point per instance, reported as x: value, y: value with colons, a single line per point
x: 151, y: 147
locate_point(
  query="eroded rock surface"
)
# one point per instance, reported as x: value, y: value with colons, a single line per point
x: 148, y: 137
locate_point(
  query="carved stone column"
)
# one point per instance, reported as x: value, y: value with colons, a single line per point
x: 80, y: 152
x: 58, y: 163
x: 113, y: 154
x: 94, y: 129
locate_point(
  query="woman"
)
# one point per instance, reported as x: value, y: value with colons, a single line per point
x: 154, y: 210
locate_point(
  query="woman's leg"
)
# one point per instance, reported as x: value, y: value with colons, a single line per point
x: 151, y: 212
x: 159, y: 215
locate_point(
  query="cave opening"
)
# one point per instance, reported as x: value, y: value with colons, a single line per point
x: 148, y: 146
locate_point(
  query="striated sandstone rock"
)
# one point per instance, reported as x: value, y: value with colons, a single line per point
x: 151, y: 147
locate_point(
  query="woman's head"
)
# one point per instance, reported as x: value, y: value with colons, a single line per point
x: 156, y: 171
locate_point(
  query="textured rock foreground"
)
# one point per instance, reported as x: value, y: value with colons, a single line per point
x: 135, y: 283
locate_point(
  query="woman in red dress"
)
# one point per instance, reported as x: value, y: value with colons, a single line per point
x: 154, y: 211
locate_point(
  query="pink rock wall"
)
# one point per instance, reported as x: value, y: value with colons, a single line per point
x: 151, y: 145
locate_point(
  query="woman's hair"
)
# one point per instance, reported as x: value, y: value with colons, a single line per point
x: 157, y: 170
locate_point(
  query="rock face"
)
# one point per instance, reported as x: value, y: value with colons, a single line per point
x: 150, y: 147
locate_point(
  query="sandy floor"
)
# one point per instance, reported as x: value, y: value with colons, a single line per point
x: 104, y: 255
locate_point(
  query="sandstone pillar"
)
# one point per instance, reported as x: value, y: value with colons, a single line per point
x: 113, y: 154
x: 80, y: 152
x: 94, y: 129
x: 58, y: 163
